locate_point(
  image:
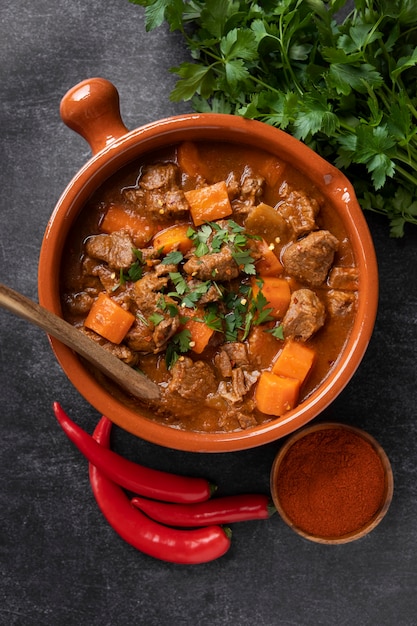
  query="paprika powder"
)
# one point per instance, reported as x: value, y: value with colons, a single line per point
x: 332, y: 483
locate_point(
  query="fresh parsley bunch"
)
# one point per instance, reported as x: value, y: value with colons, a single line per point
x: 347, y: 88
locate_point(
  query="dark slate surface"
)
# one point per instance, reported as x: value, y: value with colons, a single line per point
x: 60, y: 563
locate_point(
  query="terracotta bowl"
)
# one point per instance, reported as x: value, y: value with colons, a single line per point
x: 91, y: 108
x: 357, y: 491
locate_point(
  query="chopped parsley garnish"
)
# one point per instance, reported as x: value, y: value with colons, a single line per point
x: 277, y: 332
x: 210, y: 238
x: 245, y: 261
x: 180, y: 284
x: 213, y: 319
x: 134, y: 273
x: 261, y: 312
x: 156, y: 318
x: 233, y: 310
x: 178, y: 344
x: 166, y: 306
x: 173, y: 258
x: 199, y: 238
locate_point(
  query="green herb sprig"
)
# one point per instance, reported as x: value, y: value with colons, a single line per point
x: 347, y: 88
x: 178, y: 344
x: 210, y: 237
x: 133, y: 273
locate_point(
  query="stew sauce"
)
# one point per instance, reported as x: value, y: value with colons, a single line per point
x: 201, y: 265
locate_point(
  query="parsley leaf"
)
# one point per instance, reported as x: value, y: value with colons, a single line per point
x: 239, y: 44
x: 156, y: 318
x: 178, y: 344
x: 194, y: 79
x: 134, y: 272
x: 245, y: 261
x: 277, y: 332
x: 213, y: 319
x: 179, y: 282
x: 173, y: 258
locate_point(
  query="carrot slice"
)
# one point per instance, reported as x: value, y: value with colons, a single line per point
x: 209, y: 203
x: 109, y: 319
x: 272, y: 169
x: 121, y: 218
x: 173, y: 238
x: 189, y: 159
x: 200, y: 335
x: 295, y: 361
x: 275, y: 395
x: 277, y: 293
x: 268, y: 264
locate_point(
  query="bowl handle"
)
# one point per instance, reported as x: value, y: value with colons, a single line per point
x: 91, y: 108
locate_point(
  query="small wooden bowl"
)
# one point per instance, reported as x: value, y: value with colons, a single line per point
x: 301, y: 527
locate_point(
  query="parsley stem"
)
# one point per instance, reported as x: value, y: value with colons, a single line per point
x: 405, y: 174
x: 287, y: 66
x: 413, y: 111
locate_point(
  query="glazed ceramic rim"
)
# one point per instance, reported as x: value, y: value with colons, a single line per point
x: 219, y: 127
x: 379, y: 514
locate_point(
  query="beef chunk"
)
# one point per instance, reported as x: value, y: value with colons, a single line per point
x: 90, y: 266
x: 122, y: 352
x: 310, y: 259
x: 238, y: 382
x: 162, y: 194
x: 232, y: 184
x: 237, y: 353
x: 305, y: 315
x: 116, y: 249
x: 299, y: 211
x: 340, y: 303
x: 231, y: 355
x: 241, y: 382
x: 158, y: 192
x: 145, y: 337
x: 147, y: 296
x: 78, y: 303
x: 164, y: 330
x: 223, y: 364
x: 105, y: 275
x: 344, y: 278
x: 252, y: 184
x: 139, y: 337
x: 249, y: 191
x: 219, y: 266
x: 246, y: 420
x: 108, y: 277
x: 176, y: 204
x: 170, y: 203
x: 192, y: 380
x: 161, y: 175
x: 146, y: 292
x: 233, y: 417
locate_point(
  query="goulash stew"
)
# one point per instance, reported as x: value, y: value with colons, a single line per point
x: 221, y: 273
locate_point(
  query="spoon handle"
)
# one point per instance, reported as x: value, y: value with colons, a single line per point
x: 128, y: 378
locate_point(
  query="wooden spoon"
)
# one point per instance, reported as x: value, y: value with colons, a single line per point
x: 128, y: 378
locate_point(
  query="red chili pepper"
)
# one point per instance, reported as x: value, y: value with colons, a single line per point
x: 132, y: 476
x: 167, y: 544
x: 224, y: 510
